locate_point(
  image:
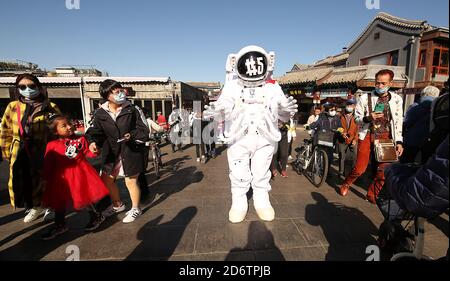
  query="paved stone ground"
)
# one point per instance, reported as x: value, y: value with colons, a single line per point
x: 185, y: 218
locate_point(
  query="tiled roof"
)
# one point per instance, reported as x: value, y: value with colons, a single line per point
x: 358, y: 73
x: 330, y: 75
x: 402, y: 23
x: 413, y: 24
x: 299, y: 66
x: 434, y: 29
x: 45, y: 80
x: 332, y: 59
x: 345, y: 75
x: 75, y: 80
x: 303, y: 76
x: 204, y: 84
x: 128, y: 79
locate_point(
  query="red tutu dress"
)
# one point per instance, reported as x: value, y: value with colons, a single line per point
x: 71, y: 182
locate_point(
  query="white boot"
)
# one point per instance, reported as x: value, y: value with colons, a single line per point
x: 263, y: 208
x: 238, y: 209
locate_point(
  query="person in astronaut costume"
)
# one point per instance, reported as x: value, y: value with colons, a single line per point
x: 251, y: 105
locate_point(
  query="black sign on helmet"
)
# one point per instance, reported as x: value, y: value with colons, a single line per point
x: 252, y: 66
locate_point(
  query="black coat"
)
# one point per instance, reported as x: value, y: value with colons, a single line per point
x: 422, y: 191
x: 105, y: 132
x: 326, y: 123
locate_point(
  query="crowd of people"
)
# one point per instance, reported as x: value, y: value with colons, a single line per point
x: 49, y: 171
x: 376, y: 117
x: 50, y: 174
x: 411, y: 178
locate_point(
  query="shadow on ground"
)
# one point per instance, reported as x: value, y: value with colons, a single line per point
x: 347, y: 230
x: 159, y: 241
x: 259, y: 239
x: 173, y: 180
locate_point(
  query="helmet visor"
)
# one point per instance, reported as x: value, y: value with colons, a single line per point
x: 252, y: 66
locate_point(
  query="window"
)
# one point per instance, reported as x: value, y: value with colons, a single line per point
x: 393, y: 59
x: 422, y: 58
x: 440, y: 61
x: 376, y: 35
x: 384, y: 59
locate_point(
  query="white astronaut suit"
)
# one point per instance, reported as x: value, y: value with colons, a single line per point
x: 251, y: 104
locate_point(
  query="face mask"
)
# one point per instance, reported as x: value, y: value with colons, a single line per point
x: 349, y: 109
x: 332, y: 113
x: 29, y: 93
x: 381, y: 91
x: 120, y: 97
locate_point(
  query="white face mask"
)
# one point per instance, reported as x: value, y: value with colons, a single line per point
x: 349, y: 109
x: 332, y: 113
x: 120, y: 97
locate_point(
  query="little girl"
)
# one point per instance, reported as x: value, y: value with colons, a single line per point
x: 70, y: 181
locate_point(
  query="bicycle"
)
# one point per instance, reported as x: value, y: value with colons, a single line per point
x: 156, y: 154
x: 312, y: 161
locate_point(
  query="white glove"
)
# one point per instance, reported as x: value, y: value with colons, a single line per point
x: 209, y: 112
x: 217, y: 110
x: 288, y: 105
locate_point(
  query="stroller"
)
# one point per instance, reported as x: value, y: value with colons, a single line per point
x: 401, y: 235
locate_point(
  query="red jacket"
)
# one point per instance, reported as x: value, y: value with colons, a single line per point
x: 161, y: 120
x: 351, y: 131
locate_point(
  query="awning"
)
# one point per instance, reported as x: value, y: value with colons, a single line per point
x: 45, y: 80
x: 128, y: 79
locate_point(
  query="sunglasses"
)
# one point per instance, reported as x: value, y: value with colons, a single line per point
x: 24, y: 87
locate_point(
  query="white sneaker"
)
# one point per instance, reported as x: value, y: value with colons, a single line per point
x: 111, y: 210
x: 290, y: 157
x: 32, y: 214
x: 49, y: 215
x: 132, y: 215
x: 198, y: 159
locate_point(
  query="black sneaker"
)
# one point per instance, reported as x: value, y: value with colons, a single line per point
x: 94, y: 223
x: 54, y: 232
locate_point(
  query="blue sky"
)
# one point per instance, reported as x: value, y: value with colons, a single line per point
x: 189, y: 40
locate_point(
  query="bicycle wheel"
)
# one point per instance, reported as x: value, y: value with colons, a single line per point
x: 319, y: 167
x: 155, y: 162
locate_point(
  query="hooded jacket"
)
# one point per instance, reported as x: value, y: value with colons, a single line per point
x: 106, y: 131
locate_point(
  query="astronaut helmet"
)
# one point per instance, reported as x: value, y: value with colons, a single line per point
x: 252, y: 65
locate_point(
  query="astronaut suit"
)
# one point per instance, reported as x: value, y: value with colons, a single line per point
x: 251, y: 105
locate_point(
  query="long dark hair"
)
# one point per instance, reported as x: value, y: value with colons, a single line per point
x: 35, y: 80
x: 29, y: 77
